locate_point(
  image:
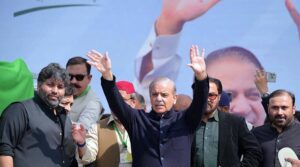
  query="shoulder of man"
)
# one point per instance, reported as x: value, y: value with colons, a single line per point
x: 229, y: 116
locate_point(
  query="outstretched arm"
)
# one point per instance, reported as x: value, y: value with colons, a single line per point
x: 262, y: 86
x: 158, y: 55
x: 294, y: 13
x: 175, y: 13
x: 115, y: 101
x: 200, y: 87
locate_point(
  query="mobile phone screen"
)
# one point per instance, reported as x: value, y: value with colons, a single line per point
x: 271, y: 77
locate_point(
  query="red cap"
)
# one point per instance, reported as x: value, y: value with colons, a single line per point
x: 126, y: 86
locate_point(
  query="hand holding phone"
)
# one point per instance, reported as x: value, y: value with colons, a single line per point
x: 271, y: 77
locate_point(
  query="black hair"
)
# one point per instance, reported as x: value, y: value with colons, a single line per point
x: 53, y: 71
x: 79, y: 60
x: 218, y: 83
x: 233, y: 51
x: 69, y: 90
x: 281, y: 92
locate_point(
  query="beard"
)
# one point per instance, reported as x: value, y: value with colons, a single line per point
x: 51, y: 103
x: 210, y: 108
x: 280, y: 121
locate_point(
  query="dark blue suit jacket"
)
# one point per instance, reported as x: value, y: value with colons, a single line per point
x: 159, y: 141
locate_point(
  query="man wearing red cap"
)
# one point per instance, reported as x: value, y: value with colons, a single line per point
x: 107, y: 142
x: 162, y: 137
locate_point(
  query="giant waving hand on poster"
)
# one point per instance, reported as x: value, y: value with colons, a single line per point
x: 44, y: 31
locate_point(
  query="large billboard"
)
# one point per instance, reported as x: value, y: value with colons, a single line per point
x: 44, y: 31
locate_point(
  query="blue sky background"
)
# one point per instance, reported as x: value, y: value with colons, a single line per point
x: 121, y: 27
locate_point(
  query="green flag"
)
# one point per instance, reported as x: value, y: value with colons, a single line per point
x: 16, y: 83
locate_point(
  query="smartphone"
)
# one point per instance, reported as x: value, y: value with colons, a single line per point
x: 271, y: 77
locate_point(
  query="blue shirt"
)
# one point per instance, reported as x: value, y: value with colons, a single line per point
x: 158, y: 141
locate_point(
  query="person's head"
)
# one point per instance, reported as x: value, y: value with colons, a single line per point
x: 68, y: 99
x: 140, y: 102
x: 214, y: 95
x: 183, y: 102
x: 236, y: 68
x: 51, y: 84
x: 127, y: 92
x: 79, y: 71
x: 162, y: 95
x: 224, y: 103
x: 281, y: 108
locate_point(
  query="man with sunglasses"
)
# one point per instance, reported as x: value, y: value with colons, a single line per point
x: 222, y: 138
x: 86, y: 108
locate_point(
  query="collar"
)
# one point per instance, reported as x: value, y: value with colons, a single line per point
x: 157, y: 116
x: 111, y: 120
x: 86, y: 90
x: 41, y: 102
x: 216, y: 116
x: 46, y: 108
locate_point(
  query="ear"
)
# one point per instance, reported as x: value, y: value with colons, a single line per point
x: 175, y: 99
x: 294, y: 110
x: 38, y: 85
x: 90, y: 76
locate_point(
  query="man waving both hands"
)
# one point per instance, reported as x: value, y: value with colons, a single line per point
x: 162, y: 137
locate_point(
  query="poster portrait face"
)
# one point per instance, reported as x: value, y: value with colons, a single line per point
x: 236, y: 68
x: 47, y: 31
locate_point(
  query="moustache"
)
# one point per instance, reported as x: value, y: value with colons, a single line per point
x: 279, y: 117
x: 76, y: 85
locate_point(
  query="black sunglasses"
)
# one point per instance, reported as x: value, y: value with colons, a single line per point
x: 78, y: 77
x: 212, y: 96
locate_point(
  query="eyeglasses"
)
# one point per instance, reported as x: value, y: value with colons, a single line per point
x: 78, y: 77
x: 212, y: 96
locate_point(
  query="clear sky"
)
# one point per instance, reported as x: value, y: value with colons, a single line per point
x: 121, y: 27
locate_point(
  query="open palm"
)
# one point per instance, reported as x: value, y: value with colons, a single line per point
x: 197, y: 62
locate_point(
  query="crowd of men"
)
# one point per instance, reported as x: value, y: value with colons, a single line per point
x: 42, y: 132
x: 231, y: 119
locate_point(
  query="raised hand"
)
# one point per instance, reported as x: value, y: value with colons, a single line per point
x: 175, y: 13
x: 197, y: 62
x: 294, y: 13
x: 102, y: 63
x: 261, y: 82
